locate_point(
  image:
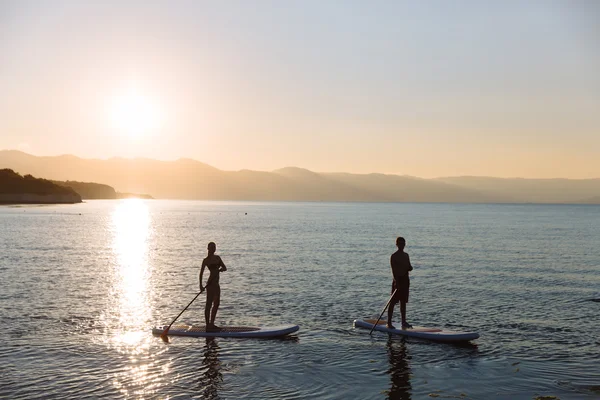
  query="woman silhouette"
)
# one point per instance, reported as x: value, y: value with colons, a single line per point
x: 213, y: 290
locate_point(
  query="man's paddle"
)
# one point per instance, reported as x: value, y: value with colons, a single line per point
x: 384, y: 308
x: 163, y: 335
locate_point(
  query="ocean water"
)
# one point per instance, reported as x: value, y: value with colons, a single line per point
x: 82, y: 285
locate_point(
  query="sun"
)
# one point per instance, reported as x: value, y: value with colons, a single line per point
x: 135, y: 115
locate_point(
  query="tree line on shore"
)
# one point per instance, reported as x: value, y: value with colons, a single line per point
x: 13, y: 183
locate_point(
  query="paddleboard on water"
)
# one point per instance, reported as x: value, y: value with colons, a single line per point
x: 437, y: 334
x: 228, y: 331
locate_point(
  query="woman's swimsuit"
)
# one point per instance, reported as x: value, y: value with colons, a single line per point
x: 214, y: 274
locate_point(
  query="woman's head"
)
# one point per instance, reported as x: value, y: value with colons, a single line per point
x: 212, y: 247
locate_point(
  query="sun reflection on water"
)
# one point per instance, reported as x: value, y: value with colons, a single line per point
x: 131, y: 224
x: 131, y: 294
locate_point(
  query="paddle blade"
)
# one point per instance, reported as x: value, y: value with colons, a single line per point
x: 164, y: 336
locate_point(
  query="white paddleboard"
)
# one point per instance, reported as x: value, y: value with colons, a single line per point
x: 227, y: 331
x: 437, y: 334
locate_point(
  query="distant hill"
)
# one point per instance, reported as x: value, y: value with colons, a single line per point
x: 190, y: 179
x: 89, y: 190
x: 15, y: 188
x: 531, y: 190
x: 591, y: 200
x: 133, y: 196
x: 97, y: 191
x: 411, y: 189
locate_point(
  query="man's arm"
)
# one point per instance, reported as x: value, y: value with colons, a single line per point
x: 410, y: 268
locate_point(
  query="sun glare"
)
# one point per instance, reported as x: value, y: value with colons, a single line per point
x: 135, y: 115
x: 132, y: 229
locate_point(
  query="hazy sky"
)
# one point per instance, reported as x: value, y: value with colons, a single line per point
x: 425, y: 88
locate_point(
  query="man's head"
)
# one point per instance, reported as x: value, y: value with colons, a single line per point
x: 400, y: 242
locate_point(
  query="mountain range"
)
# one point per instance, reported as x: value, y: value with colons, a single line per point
x: 191, y: 179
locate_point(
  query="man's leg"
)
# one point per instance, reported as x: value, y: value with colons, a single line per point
x: 390, y: 315
x: 405, y: 324
x: 404, y: 286
x: 403, y: 312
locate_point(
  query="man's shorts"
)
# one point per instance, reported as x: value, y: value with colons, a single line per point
x: 403, y: 287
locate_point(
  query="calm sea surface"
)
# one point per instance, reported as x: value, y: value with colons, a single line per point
x: 82, y: 285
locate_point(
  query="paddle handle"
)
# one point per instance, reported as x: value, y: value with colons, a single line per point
x: 384, y: 308
x: 166, y: 331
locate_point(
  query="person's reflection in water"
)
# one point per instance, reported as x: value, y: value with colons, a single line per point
x: 211, y: 378
x: 399, y: 369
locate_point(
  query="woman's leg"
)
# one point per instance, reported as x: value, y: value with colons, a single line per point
x: 215, y: 304
x: 210, y: 295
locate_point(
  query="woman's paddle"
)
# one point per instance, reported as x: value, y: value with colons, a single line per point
x: 163, y: 336
x: 384, y: 308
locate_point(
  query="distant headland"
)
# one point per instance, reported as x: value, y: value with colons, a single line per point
x: 18, y: 189
x: 99, y: 191
x: 191, y: 179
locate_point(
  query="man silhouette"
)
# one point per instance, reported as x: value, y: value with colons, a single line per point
x: 400, y: 263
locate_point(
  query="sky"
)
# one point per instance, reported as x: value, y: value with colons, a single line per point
x: 422, y: 88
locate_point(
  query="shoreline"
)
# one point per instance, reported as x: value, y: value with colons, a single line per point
x: 30, y: 198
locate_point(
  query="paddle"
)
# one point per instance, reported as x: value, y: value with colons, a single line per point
x: 163, y: 336
x: 384, y: 308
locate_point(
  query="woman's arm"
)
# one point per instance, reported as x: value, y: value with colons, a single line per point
x: 202, y: 273
x: 223, y: 267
